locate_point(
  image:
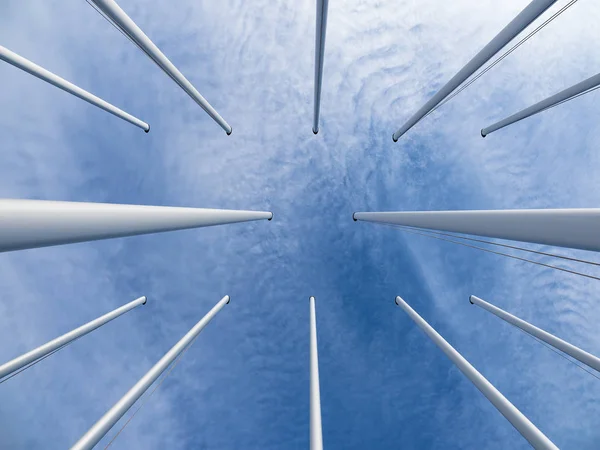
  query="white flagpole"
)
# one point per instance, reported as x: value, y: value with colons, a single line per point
x: 518, y: 24
x: 112, y: 10
x: 112, y: 416
x: 316, y: 431
x: 43, y: 74
x: 577, y: 353
x: 551, y: 101
x: 528, y: 430
x: 322, y: 6
x: 37, y: 353
x: 571, y: 228
x: 41, y: 223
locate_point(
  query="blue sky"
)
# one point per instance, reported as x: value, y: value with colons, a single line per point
x: 244, y: 383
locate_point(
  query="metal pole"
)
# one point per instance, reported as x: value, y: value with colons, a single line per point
x: 43, y: 74
x: 115, y: 14
x: 316, y: 431
x: 41, y: 223
x: 580, y: 355
x: 562, y: 96
x: 112, y: 416
x: 518, y: 24
x: 322, y: 6
x: 528, y: 430
x: 37, y: 353
x: 571, y: 228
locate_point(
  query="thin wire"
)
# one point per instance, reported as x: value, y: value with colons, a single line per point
x: 504, y: 55
x: 108, y: 19
x: 498, y: 253
x: 33, y: 363
x: 556, y: 351
x: 514, y: 247
x: 152, y: 392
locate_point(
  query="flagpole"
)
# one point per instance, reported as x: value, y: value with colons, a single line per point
x: 321, y: 30
x: 47, y: 76
x: 571, y: 228
x: 112, y: 416
x: 562, y: 96
x: 40, y: 223
x: 43, y: 350
x: 518, y: 24
x: 316, y: 431
x: 523, y: 425
x: 121, y: 20
x: 571, y: 350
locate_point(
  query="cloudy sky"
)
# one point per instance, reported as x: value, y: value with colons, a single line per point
x: 244, y: 383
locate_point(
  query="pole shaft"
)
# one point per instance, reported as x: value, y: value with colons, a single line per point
x: 37, y: 353
x: 523, y: 425
x: 321, y: 30
x: 571, y: 228
x: 112, y: 416
x: 114, y: 12
x: 562, y: 96
x: 45, y: 75
x: 518, y: 24
x: 577, y: 353
x: 316, y: 431
x: 41, y: 223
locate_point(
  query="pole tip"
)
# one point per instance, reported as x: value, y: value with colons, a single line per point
x: 230, y: 131
x: 354, y: 217
x: 148, y: 130
x: 315, y: 132
x: 228, y: 299
x: 397, y: 300
x: 270, y: 218
x: 483, y: 135
x: 311, y: 298
x: 471, y: 300
x: 145, y: 299
x: 394, y: 138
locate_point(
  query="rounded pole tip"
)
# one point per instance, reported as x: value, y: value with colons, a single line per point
x: 397, y: 300
x: 145, y: 299
x: 270, y: 218
x: 354, y: 217
x: 311, y: 298
x: 315, y: 132
x: 483, y: 135
x: 471, y: 300
x: 229, y: 132
x: 394, y: 138
x: 148, y: 130
x: 228, y: 299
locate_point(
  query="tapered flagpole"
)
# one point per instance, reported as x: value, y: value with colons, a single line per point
x: 112, y: 416
x: 121, y: 20
x: 577, y: 353
x: 322, y: 6
x: 43, y: 74
x: 316, y: 431
x: 41, y: 223
x: 562, y: 96
x: 43, y: 350
x: 528, y: 430
x: 518, y: 24
x: 572, y: 228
